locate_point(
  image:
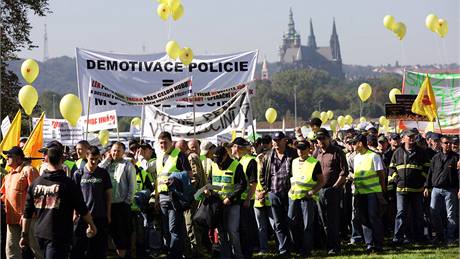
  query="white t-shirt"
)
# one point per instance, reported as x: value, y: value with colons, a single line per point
x: 377, y: 161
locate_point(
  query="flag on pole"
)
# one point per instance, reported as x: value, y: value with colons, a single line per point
x: 35, y: 142
x: 425, y: 103
x: 13, y: 135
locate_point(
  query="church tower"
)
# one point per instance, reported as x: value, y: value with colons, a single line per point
x: 291, y: 39
x: 334, y: 44
x: 311, y: 38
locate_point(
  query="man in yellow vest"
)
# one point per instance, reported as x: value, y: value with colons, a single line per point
x: 306, y: 181
x: 241, y: 150
x: 171, y: 160
x: 228, y: 177
x: 369, y: 182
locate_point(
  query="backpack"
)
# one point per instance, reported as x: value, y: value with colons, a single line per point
x: 181, y: 189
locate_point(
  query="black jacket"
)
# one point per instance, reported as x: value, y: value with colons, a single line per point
x: 409, y: 169
x: 265, y: 176
x: 443, y: 171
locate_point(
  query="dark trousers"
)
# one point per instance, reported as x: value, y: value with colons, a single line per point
x: 90, y: 248
x: 367, y: 206
x: 54, y: 249
x: 301, y: 216
x: 173, y: 229
x: 329, y: 207
x: 278, y: 219
x: 404, y: 201
x: 248, y: 230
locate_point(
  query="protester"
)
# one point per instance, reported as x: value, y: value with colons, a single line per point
x: 206, y: 154
x: 96, y: 187
x: 54, y: 197
x: 14, y: 191
x: 82, y: 149
x: 123, y: 176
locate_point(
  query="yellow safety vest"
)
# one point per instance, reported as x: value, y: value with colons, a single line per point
x: 224, y: 179
x: 244, y: 161
x: 302, y: 178
x: 366, y: 180
x: 259, y: 188
x: 164, y: 171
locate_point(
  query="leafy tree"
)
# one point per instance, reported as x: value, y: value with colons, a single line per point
x: 14, y: 36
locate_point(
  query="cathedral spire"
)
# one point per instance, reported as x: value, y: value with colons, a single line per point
x: 264, y: 71
x: 291, y: 25
x: 311, y: 37
x: 334, y: 43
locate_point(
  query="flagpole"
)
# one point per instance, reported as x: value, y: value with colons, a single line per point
x: 142, y: 121
x: 87, y: 117
x: 194, y: 125
x: 252, y: 115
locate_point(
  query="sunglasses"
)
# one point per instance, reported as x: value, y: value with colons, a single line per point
x: 446, y: 143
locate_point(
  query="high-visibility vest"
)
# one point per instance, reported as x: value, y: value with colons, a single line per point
x: 259, y: 188
x: 224, y: 178
x: 302, y: 178
x: 79, y: 163
x: 141, y: 177
x: 366, y: 179
x: 164, y: 171
x: 244, y: 161
x: 70, y: 164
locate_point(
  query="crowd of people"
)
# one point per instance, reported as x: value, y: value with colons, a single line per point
x: 196, y: 199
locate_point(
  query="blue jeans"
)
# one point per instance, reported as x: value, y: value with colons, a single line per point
x: 278, y: 219
x: 356, y: 228
x: 403, y: 201
x: 367, y: 207
x: 54, y: 249
x: 301, y: 215
x: 329, y: 207
x: 444, y: 200
x: 262, y: 215
x: 229, y: 233
x: 173, y: 229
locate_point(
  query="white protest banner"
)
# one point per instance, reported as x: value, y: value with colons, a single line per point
x: 100, y: 121
x: 235, y: 113
x: 60, y: 130
x: 6, y: 123
x: 140, y: 75
x: 171, y: 93
x: 446, y: 88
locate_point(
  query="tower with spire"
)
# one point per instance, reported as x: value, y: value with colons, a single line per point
x: 294, y: 55
x: 264, y: 74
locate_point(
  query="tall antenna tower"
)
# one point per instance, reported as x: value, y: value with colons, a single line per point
x: 45, y: 45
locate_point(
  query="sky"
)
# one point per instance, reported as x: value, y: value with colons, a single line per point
x: 219, y: 27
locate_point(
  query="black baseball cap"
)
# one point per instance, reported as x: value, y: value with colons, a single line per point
x: 239, y: 141
x: 410, y: 133
x: 322, y: 132
x: 219, y: 152
x: 279, y: 135
x: 52, y: 144
x: 395, y: 136
x: 302, y: 145
x: 15, y: 151
x: 435, y: 136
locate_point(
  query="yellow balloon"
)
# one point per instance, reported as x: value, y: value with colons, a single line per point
x: 399, y: 29
x: 431, y: 22
x: 28, y: 98
x: 70, y: 107
x: 172, y: 49
x: 323, y: 117
x: 178, y: 12
x: 393, y: 93
x: 388, y: 21
x: 103, y: 137
x: 333, y: 125
x: 348, y: 119
x: 162, y: 1
x: 362, y: 119
x: 316, y: 114
x: 364, y: 91
x: 311, y: 135
x: 330, y: 114
x: 382, y: 120
x: 442, y: 28
x: 341, y: 121
x: 163, y: 11
x: 186, y: 56
x: 30, y: 70
x: 173, y: 3
x: 270, y: 115
x: 136, y: 122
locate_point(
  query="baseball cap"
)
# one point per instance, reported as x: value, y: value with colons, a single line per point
x: 322, y: 132
x: 395, y: 136
x: 410, y: 133
x: 302, y: 145
x: 315, y: 121
x: 146, y: 145
x: 279, y: 135
x: 52, y: 144
x: 220, y: 152
x: 239, y: 141
x: 205, y: 147
x: 17, y: 151
x: 435, y: 136
x: 382, y: 138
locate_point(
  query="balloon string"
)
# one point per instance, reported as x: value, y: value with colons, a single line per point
x: 169, y: 29
x: 403, y: 55
x: 444, y: 54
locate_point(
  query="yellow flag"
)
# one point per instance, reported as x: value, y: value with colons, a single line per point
x: 425, y: 103
x: 34, y: 143
x: 13, y: 135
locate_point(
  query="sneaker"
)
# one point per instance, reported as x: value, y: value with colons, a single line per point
x: 333, y: 252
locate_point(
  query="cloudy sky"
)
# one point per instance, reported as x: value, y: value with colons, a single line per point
x: 217, y: 26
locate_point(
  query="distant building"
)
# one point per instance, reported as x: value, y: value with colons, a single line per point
x: 295, y: 55
x: 264, y: 72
